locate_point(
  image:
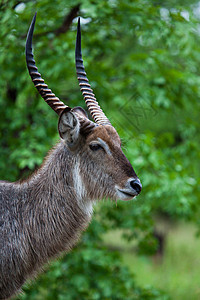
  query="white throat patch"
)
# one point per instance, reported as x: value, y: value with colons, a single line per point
x: 85, y: 204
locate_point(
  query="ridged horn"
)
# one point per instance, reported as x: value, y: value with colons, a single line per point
x: 89, y: 97
x: 54, y: 102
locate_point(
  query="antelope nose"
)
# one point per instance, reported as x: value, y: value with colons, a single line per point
x: 136, y: 185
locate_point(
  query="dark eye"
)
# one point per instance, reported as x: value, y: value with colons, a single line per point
x: 95, y: 147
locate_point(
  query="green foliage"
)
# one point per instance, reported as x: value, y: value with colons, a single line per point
x: 142, y: 58
x: 178, y: 270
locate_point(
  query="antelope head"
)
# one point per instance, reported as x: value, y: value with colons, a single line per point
x: 103, y: 169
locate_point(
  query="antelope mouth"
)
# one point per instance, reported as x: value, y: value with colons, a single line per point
x: 125, y: 194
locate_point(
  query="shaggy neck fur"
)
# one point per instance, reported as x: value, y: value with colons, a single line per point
x: 41, y: 217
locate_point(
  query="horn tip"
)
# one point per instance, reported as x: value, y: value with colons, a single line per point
x: 79, y: 25
x: 34, y: 18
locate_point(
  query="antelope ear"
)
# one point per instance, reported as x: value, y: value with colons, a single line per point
x: 69, y: 127
x: 79, y: 110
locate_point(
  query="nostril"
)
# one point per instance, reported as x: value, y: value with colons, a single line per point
x: 136, y: 185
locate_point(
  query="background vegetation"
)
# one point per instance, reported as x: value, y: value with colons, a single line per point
x: 143, y: 59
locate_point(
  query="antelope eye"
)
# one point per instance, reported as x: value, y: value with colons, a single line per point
x: 95, y: 147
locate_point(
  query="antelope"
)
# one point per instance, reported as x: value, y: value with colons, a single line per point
x: 43, y: 216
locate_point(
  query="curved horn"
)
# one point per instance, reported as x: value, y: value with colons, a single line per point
x: 90, y: 100
x: 54, y: 102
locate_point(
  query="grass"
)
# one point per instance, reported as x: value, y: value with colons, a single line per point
x: 177, y: 273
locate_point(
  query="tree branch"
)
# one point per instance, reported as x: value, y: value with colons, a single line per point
x: 66, y: 23
x: 68, y: 20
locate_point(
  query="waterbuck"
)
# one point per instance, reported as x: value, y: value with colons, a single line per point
x: 44, y: 215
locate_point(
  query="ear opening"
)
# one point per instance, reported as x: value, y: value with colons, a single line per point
x: 69, y: 127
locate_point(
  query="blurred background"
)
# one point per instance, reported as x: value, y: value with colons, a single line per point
x: 143, y: 61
